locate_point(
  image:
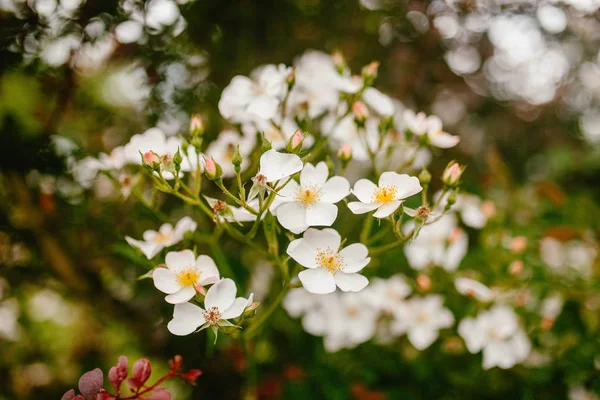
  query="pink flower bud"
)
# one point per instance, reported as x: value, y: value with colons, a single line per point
x: 345, y: 152
x: 196, y: 126
x: 150, y: 157
x: 191, y: 376
x: 141, y: 372
x: 452, y: 174
x: 211, y: 167
x: 360, y: 111
x: 294, y: 145
x: 516, y: 267
x: 176, y: 362
x: 118, y: 373
x: 338, y: 61
x: 488, y: 208
x: 370, y: 71
x: 518, y: 244
x: 423, y: 282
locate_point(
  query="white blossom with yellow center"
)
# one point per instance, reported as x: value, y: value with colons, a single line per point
x: 385, y: 197
x: 312, y: 202
x: 167, y: 235
x: 182, y: 274
x: 220, y: 305
x: 327, y: 266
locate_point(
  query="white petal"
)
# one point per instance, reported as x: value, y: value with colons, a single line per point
x: 321, y: 214
x: 264, y: 107
x: 206, y: 267
x: 221, y: 294
x: 314, y: 175
x: 318, y: 280
x: 335, y: 189
x: 292, y: 216
x: 422, y: 337
x: 275, y: 166
x: 456, y: 252
x: 387, y: 209
x: 406, y: 185
x: 176, y: 260
x: 165, y: 280
x: 185, y: 294
x: 186, y: 319
x: 443, y: 140
x: 302, y: 253
x: 150, y: 250
x: 418, y: 255
x: 474, y: 337
x: 378, y: 101
x: 361, y: 208
x: 364, y: 190
x: 497, y: 354
x: 320, y: 239
x: 350, y: 282
x: 236, y: 309
x: 355, y: 257
x: 185, y: 224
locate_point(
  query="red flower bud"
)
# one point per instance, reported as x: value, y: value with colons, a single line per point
x: 118, y: 373
x: 141, y: 373
x: 175, y: 363
x: 191, y: 376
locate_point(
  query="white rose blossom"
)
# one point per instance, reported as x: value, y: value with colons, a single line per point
x: 166, y: 236
x: 473, y: 288
x: 220, y: 305
x: 327, y: 266
x: 421, y: 318
x: 421, y: 124
x: 385, y: 197
x: 312, y: 202
x: 498, y: 334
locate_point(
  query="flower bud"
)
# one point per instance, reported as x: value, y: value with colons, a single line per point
x: 212, y: 169
x: 423, y: 282
x: 424, y: 177
x: 518, y: 244
x: 361, y: 113
x: 488, y: 208
x: 339, y: 61
x: 90, y: 383
x: 177, y: 160
x: 196, y: 126
x: 451, y: 200
x: 345, y: 152
x: 369, y: 72
x: 516, y: 267
x: 150, y: 157
x: 294, y: 145
x: 291, y: 79
x: 191, y: 376
x: 141, y: 373
x: 452, y: 174
x: 197, y: 143
x: 266, y: 144
x: 236, y: 159
x: 118, y: 373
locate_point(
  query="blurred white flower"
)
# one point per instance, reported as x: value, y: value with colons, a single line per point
x: 328, y: 267
x: 113, y: 161
x: 385, y: 197
x: 385, y: 295
x: 166, y: 236
x: 9, y: 324
x: 247, y: 99
x: 421, y: 124
x: 498, y: 334
x: 312, y: 202
x: 220, y: 305
x: 552, y: 306
x: 473, y: 288
x: 581, y: 393
x: 381, y: 103
x: 572, y: 256
x: 345, y: 131
x: 183, y: 274
x: 441, y: 244
x: 421, y: 318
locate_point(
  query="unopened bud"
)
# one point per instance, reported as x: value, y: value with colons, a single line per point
x: 518, y: 244
x: 177, y: 160
x: 339, y: 61
x: 361, y: 113
x: 424, y: 177
x: 141, y: 372
x: 294, y: 145
x: 452, y: 174
x: 236, y: 160
x: 150, y: 158
x: 266, y: 144
x: 196, y: 126
x: 423, y: 282
x: 516, y: 267
x: 291, y: 79
x: 197, y: 143
x: 488, y: 208
x: 451, y: 200
x: 212, y: 169
x: 345, y: 152
x: 369, y: 72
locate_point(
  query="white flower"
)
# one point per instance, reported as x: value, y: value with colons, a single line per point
x: 442, y: 244
x: 183, y: 273
x: 471, y: 212
x: 156, y: 141
x: 346, y: 131
x: 115, y: 160
x: 328, y: 267
x: 166, y: 236
x: 385, y: 295
x: 258, y: 98
x: 275, y: 166
x: 381, y: 103
x: 552, y: 306
x: 422, y: 318
x: 298, y: 301
x: 385, y: 197
x: 312, y: 202
x: 220, y: 305
x: 581, y: 393
x: 85, y: 171
x: 473, y: 288
x: 9, y: 316
x: 497, y: 333
x: 572, y: 256
x: 223, y: 149
x: 420, y: 124
x: 277, y: 136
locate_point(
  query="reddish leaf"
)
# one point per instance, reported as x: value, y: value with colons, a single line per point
x: 118, y: 373
x: 70, y: 395
x: 90, y: 384
x: 159, y: 394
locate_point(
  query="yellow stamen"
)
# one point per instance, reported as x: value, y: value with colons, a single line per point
x: 329, y: 259
x: 308, y: 195
x: 161, y: 237
x: 385, y: 194
x: 187, y: 276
